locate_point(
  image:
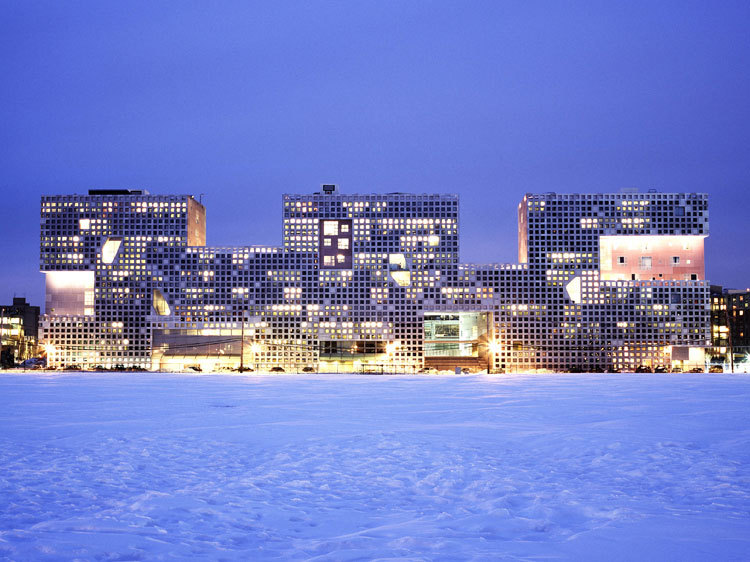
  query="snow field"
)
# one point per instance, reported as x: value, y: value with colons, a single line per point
x: 345, y: 467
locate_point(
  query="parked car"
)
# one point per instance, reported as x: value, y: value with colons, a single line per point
x: 34, y: 363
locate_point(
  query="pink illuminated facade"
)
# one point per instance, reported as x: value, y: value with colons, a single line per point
x: 654, y: 257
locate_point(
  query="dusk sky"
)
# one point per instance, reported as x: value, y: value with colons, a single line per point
x: 242, y: 102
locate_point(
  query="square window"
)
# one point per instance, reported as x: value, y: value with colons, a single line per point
x: 645, y: 262
x: 330, y: 228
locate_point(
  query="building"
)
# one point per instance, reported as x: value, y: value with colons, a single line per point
x: 615, y: 279
x: 98, y: 253
x: 18, y: 331
x: 374, y: 283
x: 730, y: 329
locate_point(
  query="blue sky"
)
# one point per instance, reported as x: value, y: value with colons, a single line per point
x: 245, y: 101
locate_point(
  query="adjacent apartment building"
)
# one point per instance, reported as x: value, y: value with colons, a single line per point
x: 18, y: 331
x: 374, y: 283
x: 730, y: 330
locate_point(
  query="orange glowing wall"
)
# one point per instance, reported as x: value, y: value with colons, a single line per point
x: 196, y: 223
x: 523, y: 231
x: 667, y: 257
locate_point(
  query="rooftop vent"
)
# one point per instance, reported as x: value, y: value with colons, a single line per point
x: 118, y: 192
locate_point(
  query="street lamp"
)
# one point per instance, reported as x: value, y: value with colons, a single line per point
x: 256, y: 348
x: 493, y: 348
x: 50, y: 349
x: 390, y: 349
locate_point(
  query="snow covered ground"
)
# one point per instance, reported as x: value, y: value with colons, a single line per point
x: 345, y: 467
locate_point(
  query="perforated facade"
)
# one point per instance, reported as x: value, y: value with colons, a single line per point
x: 374, y: 283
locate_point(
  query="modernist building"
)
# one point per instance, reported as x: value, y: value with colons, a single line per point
x: 373, y: 282
x: 18, y: 331
x: 730, y: 329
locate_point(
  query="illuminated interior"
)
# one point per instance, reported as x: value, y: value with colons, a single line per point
x: 110, y: 249
x: 457, y: 334
x: 398, y: 270
x: 70, y: 293
x: 573, y: 290
x: 655, y: 257
x: 160, y: 304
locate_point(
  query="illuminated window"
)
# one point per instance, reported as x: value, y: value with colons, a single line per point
x: 398, y: 270
x: 329, y: 261
x: 343, y: 243
x: 84, y: 224
x: 645, y: 262
x: 110, y: 249
x: 326, y: 241
x: 330, y: 228
x: 396, y: 262
x: 160, y: 303
x: 573, y: 290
